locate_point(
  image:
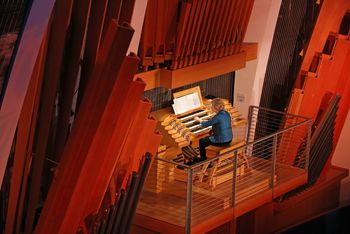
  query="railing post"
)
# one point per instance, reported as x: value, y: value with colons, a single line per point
x: 189, y: 200
x: 234, y: 176
x: 249, y: 122
x: 307, y: 156
x: 274, y: 155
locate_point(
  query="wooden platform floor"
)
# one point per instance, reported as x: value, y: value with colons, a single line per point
x: 169, y: 205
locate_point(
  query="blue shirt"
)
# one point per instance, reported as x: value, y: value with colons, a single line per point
x: 221, y: 126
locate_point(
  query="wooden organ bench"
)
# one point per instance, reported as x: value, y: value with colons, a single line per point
x: 222, y: 168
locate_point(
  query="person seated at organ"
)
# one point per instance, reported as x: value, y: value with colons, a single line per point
x: 221, y: 128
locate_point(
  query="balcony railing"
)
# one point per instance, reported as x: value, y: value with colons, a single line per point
x: 272, y: 160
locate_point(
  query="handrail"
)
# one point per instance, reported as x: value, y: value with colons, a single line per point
x: 223, y: 182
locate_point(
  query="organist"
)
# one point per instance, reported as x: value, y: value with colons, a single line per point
x: 221, y: 128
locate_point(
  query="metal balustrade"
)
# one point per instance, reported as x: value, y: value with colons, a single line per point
x: 273, y: 160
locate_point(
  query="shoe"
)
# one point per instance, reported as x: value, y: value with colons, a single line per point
x: 189, y: 152
x: 189, y: 163
x: 180, y: 167
x: 197, y: 160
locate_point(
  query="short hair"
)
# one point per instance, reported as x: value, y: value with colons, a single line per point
x: 218, y: 104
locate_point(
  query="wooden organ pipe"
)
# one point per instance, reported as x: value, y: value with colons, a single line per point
x: 92, y: 43
x: 53, y: 66
x: 206, y: 30
x: 24, y: 143
x: 100, y: 87
x: 80, y: 15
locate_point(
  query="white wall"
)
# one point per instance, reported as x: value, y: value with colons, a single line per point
x: 261, y: 27
x: 136, y: 23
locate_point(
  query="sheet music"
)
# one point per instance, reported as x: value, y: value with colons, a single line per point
x: 186, y: 103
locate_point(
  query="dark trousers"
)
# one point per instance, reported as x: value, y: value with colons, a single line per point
x: 204, y: 142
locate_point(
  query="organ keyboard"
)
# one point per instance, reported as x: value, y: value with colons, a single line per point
x: 179, y: 130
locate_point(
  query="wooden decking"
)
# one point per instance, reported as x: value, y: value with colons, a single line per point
x: 165, y: 210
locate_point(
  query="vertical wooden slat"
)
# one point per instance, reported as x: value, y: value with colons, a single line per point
x: 233, y: 30
x: 244, y: 24
x: 170, y: 28
x: 92, y: 44
x: 237, y: 27
x: 20, y: 76
x: 193, y: 33
x: 220, y: 25
x: 103, y: 167
x: 24, y: 132
x: 52, y: 73
x: 198, y: 27
x: 189, y: 28
x: 214, y: 29
x: 31, y: 138
x: 126, y: 11
x: 159, y: 42
x: 112, y: 12
x: 181, y: 29
x: 137, y: 137
x: 228, y: 28
x: 99, y: 89
x: 207, y: 33
x: 111, y: 153
x: 223, y: 27
x: 154, y: 138
x: 203, y: 28
x: 137, y: 128
x: 80, y: 15
x: 148, y: 34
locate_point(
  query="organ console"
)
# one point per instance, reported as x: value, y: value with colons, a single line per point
x: 180, y: 129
